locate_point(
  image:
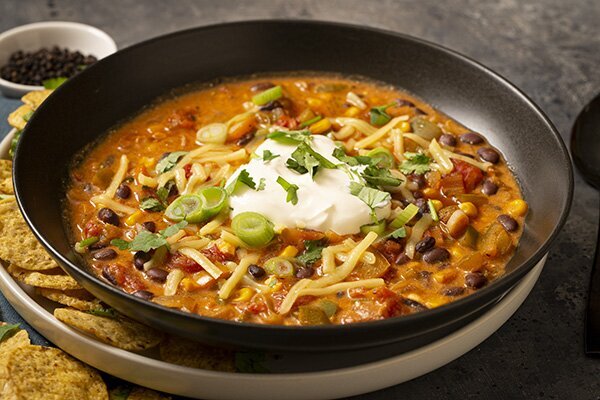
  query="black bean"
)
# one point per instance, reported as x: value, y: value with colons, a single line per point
x: 425, y: 244
x: 508, y: 223
x: 475, y: 280
x: 256, y: 271
x: 157, y: 274
x: 422, y: 204
x: 140, y: 258
x: 488, y: 154
x: 144, y: 294
x: 244, y: 140
x: 108, y: 216
x: 402, y: 259
x: 149, y: 226
x: 453, y: 291
x: 404, y: 103
x: 425, y: 276
x: 437, y: 254
x: 270, y: 106
x: 471, y: 138
x: 261, y: 86
x: 123, y: 191
x: 489, y: 188
x: 96, y: 246
x: 107, y: 274
x: 104, y: 254
x: 419, y: 179
x: 304, y: 272
x: 447, y: 140
x: 414, y: 304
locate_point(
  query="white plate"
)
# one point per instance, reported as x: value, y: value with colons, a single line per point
x: 147, y: 371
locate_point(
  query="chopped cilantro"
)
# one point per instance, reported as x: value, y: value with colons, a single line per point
x: 291, y: 189
x: 379, y: 116
x: 352, y: 161
x: 376, y: 176
x: 168, y: 162
x: 27, y: 116
x: 369, y: 196
x: 6, y: 331
x: 268, y: 156
x: 146, y: 240
x: 290, y: 137
x: 13, y: 144
x: 243, y: 177
x: 151, y: 204
x: 415, y: 162
x: 163, y: 192
x: 261, y: 185
x: 312, y: 252
x: 306, y: 160
x: 398, y: 233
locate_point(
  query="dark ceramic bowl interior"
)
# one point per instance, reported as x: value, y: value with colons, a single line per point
x: 119, y: 86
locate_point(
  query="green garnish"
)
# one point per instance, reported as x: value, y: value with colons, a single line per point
x: 252, y: 228
x: 432, y: 211
x: 267, y: 96
x: 290, y: 137
x: 82, y: 245
x: 379, y: 116
x: 415, y: 162
x: 405, y: 216
x: 104, y: 312
x: 261, y: 184
x: 244, y: 178
x: 369, y: 196
x: 306, y: 160
x: 379, y: 177
x: 151, y: 204
x: 7, y: 331
x: 291, y: 190
x: 146, y: 240
x: 268, y: 156
x: 352, y: 161
x: 382, y: 157
x: 198, y: 207
x: 378, y: 228
x: 54, y: 83
x: 279, y: 266
x: 13, y: 144
x: 163, y: 192
x: 312, y: 251
x: 27, y: 116
x: 311, y: 121
x: 398, y: 233
x: 168, y: 162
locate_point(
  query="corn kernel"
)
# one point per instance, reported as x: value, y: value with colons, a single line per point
x: 468, y: 208
x: 225, y: 247
x: 517, y: 208
x: 313, y: 102
x: 288, y: 252
x: 133, y: 218
x: 352, y: 112
x: 436, y: 301
x: 244, y: 294
x: 148, y: 162
x: 321, y: 126
x: 457, y: 252
x: 431, y: 192
x: 405, y: 127
x: 445, y: 275
x: 325, y: 96
x: 189, y: 285
x: 437, y: 205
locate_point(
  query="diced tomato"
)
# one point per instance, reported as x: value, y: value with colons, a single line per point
x: 186, y: 264
x: 452, y: 184
x: 303, y: 300
x: 188, y: 170
x: 184, y: 118
x: 215, y: 255
x: 92, y: 228
x: 128, y: 280
x: 471, y: 174
x: 287, y: 122
x: 391, y: 301
x: 257, y: 308
x: 390, y: 249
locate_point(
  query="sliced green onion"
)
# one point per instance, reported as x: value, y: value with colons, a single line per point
x: 267, y: 96
x: 279, y: 266
x: 405, y: 215
x: 214, y: 200
x: 311, y: 121
x: 252, y: 228
x: 212, y: 133
x: 81, y: 246
x: 378, y: 228
x: 183, y: 207
x: 432, y: 211
x: 382, y: 156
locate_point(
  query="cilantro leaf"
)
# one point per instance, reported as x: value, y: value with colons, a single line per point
x: 6, y: 331
x: 306, y: 160
x: 380, y: 177
x: 290, y: 137
x: 415, y: 162
x: 168, y: 162
x: 261, y: 185
x: 352, y: 161
x: 163, y: 193
x: 291, y: 189
x: 53, y: 83
x: 379, y: 116
x: 146, y: 240
x: 369, y: 196
x: 268, y: 156
x: 173, y: 229
x: 243, y: 177
x: 120, y: 244
x: 398, y: 233
x: 151, y: 204
x: 312, y: 252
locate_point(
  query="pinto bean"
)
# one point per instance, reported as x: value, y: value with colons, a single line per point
x: 488, y: 154
x: 471, y: 138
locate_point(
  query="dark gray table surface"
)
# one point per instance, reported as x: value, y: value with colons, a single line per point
x: 550, y: 49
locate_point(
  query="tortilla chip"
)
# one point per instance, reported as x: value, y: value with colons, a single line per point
x: 185, y: 352
x: 37, y: 373
x: 39, y: 279
x: 16, y: 119
x: 5, y: 169
x: 19, y: 339
x: 35, y: 98
x: 140, y: 393
x: 71, y: 298
x: 120, y: 332
x: 6, y: 186
x: 17, y: 244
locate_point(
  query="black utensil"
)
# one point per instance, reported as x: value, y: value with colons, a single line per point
x: 585, y: 147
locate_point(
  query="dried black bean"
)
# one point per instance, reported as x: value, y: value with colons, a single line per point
x: 508, y: 223
x: 123, y: 191
x: 453, y: 291
x: 471, y: 138
x: 422, y: 204
x: 475, y: 280
x: 104, y: 254
x: 256, y: 271
x: 244, y: 140
x: 425, y: 244
x: 435, y: 255
x: 149, y: 226
x: 414, y: 304
x: 270, y: 106
x: 261, y: 86
x: 107, y: 274
x: 144, y: 294
x: 304, y: 272
x: 489, y: 155
x: 447, y: 140
x: 140, y: 258
x: 489, y: 188
x: 157, y: 274
x: 108, y: 216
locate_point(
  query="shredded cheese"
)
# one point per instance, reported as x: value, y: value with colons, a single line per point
x: 147, y: 180
x: 180, y: 179
x: 365, y: 283
x: 417, y: 139
x: 232, y: 239
x: 481, y: 165
x: 380, y: 133
x: 173, y: 280
x: 444, y: 162
x: 398, y: 143
x: 192, y: 244
x: 358, y: 124
x: 213, y: 225
x: 236, y: 276
x: 118, y: 178
x: 104, y: 201
x: 204, y: 262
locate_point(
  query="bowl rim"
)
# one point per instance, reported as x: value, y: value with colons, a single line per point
x: 514, y: 276
x: 105, y: 37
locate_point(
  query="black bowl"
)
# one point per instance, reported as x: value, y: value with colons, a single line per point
x: 119, y: 86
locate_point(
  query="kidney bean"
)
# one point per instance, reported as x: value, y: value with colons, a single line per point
x: 489, y: 188
x: 157, y: 274
x: 471, y: 138
x: 108, y: 216
x: 425, y: 244
x: 304, y: 272
x: 447, y: 140
x: 108, y: 275
x: 144, y: 294
x: 104, y: 254
x: 508, y: 223
x: 256, y: 271
x: 123, y: 191
x: 488, y: 154
x: 453, y: 291
x: 140, y: 258
x: 475, y: 280
x: 149, y: 226
x: 437, y: 254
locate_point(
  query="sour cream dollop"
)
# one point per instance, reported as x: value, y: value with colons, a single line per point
x: 324, y: 203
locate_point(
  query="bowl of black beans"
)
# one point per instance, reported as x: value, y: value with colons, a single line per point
x: 45, y: 54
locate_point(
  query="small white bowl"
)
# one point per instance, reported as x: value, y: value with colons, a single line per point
x: 32, y: 37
